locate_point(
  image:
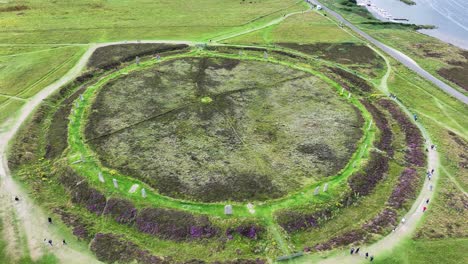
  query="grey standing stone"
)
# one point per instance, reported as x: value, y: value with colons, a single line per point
x: 116, y: 185
x: 349, y: 95
x: 143, y: 193
x: 137, y: 60
x: 317, y: 190
x: 82, y: 158
x: 77, y: 104
x: 265, y: 55
x: 240, y: 53
x: 325, y: 188
x: 81, y: 97
x: 101, y: 177
x: 228, y: 209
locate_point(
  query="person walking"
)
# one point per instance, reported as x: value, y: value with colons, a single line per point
x: 49, y: 219
x: 50, y: 242
x: 427, y: 201
x: 352, y: 251
x: 16, y: 198
x: 367, y: 254
x: 357, y: 251
x: 424, y: 209
x: 403, y: 220
x: 64, y: 242
x: 372, y: 258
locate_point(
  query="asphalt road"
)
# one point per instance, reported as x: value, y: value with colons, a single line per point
x: 397, y: 55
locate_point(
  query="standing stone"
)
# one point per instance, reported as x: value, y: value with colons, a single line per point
x: 228, y: 209
x: 81, y: 97
x: 82, y: 158
x: 349, y: 95
x: 137, y: 60
x: 116, y: 185
x: 265, y: 55
x: 370, y: 124
x: 143, y: 193
x: 101, y: 177
x: 77, y: 104
x: 240, y: 53
x: 342, y: 90
x: 325, y: 188
x: 317, y: 190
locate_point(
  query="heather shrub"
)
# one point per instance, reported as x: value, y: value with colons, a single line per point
x: 386, y: 218
x: 111, y: 248
x: 121, y: 210
x: 342, y: 240
x: 292, y: 221
x: 174, y: 224
x: 405, y: 189
x: 386, y: 135
x: 414, y: 140
x: 362, y: 183
x: 251, y: 231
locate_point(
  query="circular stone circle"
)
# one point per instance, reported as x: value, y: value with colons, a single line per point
x: 216, y: 129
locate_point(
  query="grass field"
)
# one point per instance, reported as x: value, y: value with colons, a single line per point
x: 58, y: 22
x: 450, y: 251
x: 310, y: 27
x: 26, y: 69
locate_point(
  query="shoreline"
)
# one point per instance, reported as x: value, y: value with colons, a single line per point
x: 384, y: 15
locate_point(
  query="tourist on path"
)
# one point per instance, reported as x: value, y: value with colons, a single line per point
x: 424, y: 209
x: 357, y: 251
x: 352, y: 251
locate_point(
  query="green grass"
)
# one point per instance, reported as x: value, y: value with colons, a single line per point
x: 88, y: 21
x: 447, y: 251
x: 310, y: 27
x: 27, y: 73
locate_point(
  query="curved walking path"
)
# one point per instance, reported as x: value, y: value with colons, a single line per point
x: 397, y: 55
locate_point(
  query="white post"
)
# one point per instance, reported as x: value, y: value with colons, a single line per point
x: 143, y: 193
x: 101, y: 177
x: 317, y: 190
x: 349, y: 95
x: 370, y: 124
x: 116, y: 185
x: 325, y: 188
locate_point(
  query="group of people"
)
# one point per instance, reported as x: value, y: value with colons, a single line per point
x: 49, y: 220
x: 356, y: 251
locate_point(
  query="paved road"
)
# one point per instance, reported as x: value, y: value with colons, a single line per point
x: 402, y: 58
